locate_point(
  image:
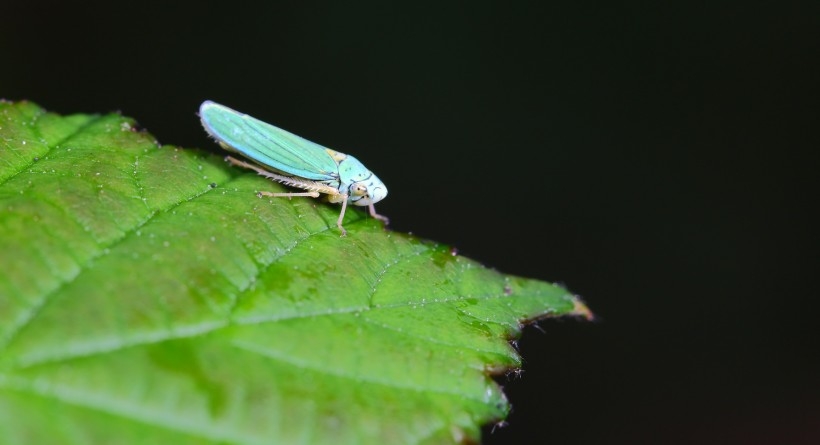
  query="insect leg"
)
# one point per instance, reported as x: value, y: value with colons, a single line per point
x: 274, y: 176
x: 288, y: 194
x: 376, y: 215
x: 233, y: 161
x: 342, y: 215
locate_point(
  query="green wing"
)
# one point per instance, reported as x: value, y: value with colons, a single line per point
x: 266, y: 144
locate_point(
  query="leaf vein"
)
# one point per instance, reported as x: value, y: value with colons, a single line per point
x: 51, y: 147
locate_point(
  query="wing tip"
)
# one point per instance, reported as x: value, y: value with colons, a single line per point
x: 207, y: 105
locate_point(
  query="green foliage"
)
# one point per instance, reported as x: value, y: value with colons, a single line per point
x: 148, y: 296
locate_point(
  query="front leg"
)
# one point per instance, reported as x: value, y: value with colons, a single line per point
x: 373, y: 213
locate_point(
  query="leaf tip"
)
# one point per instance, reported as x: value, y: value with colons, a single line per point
x: 580, y: 309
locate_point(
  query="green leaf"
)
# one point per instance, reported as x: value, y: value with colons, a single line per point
x: 148, y: 296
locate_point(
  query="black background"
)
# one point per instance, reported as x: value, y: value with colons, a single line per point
x: 658, y: 159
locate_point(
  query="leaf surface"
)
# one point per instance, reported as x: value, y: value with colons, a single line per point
x: 147, y: 296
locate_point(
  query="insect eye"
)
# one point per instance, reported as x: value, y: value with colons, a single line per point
x: 358, y: 189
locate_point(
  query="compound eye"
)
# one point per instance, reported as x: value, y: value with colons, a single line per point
x: 358, y: 189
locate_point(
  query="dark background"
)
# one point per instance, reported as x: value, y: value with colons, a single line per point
x: 657, y: 159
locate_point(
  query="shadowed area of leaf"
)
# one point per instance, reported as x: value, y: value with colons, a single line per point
x: 147, y: 295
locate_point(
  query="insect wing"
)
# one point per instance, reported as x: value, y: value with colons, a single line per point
x: 266, y: 144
